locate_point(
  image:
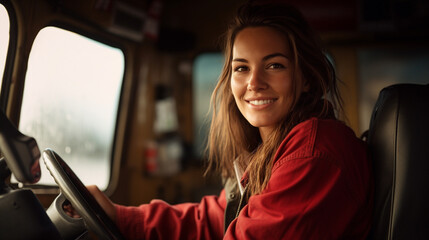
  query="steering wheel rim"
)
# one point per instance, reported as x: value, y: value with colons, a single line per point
x: 78, y: 195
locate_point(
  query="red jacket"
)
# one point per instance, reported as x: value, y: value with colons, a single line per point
x: 320, y: 188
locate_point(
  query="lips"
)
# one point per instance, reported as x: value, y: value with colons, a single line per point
x: 261, y: 102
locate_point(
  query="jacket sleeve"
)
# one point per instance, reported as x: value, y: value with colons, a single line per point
x: 159, y: 220
x: 306, y: 198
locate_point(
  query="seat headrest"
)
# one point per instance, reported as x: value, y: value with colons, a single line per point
x: 398, y: 140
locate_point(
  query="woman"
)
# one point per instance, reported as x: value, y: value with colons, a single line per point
x: 291, y: 170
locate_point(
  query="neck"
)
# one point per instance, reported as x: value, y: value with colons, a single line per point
x: 265, y: 133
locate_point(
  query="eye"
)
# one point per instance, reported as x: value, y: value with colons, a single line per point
x: 276, y: 66
x: 241, y: 69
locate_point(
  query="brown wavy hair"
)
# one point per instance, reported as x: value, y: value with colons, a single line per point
x: 231, y: 136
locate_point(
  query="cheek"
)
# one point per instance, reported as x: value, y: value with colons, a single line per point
x: 235, y: 89
x: 286, y: 85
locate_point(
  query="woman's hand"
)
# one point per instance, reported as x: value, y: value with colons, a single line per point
x: 101, y: 198
x: 104, y: 201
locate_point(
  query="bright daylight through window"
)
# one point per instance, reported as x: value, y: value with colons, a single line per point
x: 4, y: 38
x: 71, y: 100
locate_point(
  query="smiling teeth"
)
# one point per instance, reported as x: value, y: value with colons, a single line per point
x: 261, y: 102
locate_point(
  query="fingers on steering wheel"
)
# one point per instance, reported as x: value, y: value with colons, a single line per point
x: 103, y: 200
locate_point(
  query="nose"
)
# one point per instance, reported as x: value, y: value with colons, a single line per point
x: 256, y: 81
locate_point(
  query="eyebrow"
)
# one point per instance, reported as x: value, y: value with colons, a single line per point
x: 263, y: 59
x: 274, y: 55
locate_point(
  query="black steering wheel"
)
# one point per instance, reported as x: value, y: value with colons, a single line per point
x: 80, y: 198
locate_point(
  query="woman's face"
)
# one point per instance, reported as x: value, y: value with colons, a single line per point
x: 262, y: 77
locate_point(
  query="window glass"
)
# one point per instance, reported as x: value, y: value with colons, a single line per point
x: 4, y: 38
x: 206, y: 72
x: 70, y: 101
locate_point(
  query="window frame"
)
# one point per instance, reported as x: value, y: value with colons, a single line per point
x: 122, y: 111
x: 11, y: 54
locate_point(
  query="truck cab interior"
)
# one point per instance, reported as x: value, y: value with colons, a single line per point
x: 115, y: 93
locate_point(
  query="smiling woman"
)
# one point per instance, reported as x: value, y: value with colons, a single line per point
x: 288, y: 163
x: 272, y: 118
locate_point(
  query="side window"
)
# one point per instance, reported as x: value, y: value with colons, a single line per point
x: 4, y: 38
x: 71, y: 99
x: 206, y: 71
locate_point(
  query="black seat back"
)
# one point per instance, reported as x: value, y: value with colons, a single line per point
x: 398, y: 139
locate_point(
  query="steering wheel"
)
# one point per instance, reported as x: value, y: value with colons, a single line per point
x: 80, y: 198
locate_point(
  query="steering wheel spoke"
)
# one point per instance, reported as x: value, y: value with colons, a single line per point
x: 81, y: 199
